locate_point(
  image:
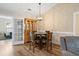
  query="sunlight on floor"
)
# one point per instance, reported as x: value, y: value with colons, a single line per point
x: 6, y: 47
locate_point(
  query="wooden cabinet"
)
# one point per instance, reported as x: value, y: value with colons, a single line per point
x: 30, y: 26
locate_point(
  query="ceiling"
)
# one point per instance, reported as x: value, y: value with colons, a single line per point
x: 21, y: 9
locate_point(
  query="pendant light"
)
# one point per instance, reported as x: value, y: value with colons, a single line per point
x: 39, y: 17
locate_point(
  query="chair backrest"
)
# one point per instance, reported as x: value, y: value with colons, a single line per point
x: 33, y: 34
x: 49, y: 36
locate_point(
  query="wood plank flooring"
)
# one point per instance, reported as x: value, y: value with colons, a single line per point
x: 23, y: 50
x: 7, y: 49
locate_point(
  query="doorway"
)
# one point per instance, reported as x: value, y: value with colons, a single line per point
x: 6, y: 30
x: 30, y: 26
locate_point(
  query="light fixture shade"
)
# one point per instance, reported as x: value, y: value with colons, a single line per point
x: 39, y: 18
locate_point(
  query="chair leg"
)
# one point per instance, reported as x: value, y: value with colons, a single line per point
x: 30, y: 45
x: 51, y: 46
x: 47, y: 46
x: 33, y: 48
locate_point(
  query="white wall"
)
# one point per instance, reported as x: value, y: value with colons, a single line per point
x: 3, y: 25
x: 59, y: 20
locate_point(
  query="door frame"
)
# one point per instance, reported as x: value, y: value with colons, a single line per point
x: 74, y: 23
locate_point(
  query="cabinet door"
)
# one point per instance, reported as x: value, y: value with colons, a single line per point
x: 30, y: 26
x: 34, y: 26
x: 26, y: 30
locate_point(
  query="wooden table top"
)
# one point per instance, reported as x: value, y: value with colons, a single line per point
x: 40, y: 33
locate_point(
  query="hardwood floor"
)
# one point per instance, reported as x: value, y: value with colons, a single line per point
x: 6, y: 49
x: 23, y: 50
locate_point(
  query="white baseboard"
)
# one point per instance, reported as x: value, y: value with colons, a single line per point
x: 63, y: 33
x: 56, y: 36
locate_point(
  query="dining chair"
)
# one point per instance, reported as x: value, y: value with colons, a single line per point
x: 44, y: 40
x: 34, y: 41
x: 49, y: 40
x: 32, y: 37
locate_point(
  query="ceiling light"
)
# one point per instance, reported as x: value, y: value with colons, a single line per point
x: 39, y: 17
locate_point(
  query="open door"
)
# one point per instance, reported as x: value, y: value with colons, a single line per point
x: 30, y: 26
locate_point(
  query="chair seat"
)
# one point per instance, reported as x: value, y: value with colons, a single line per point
x: 43, y: 41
